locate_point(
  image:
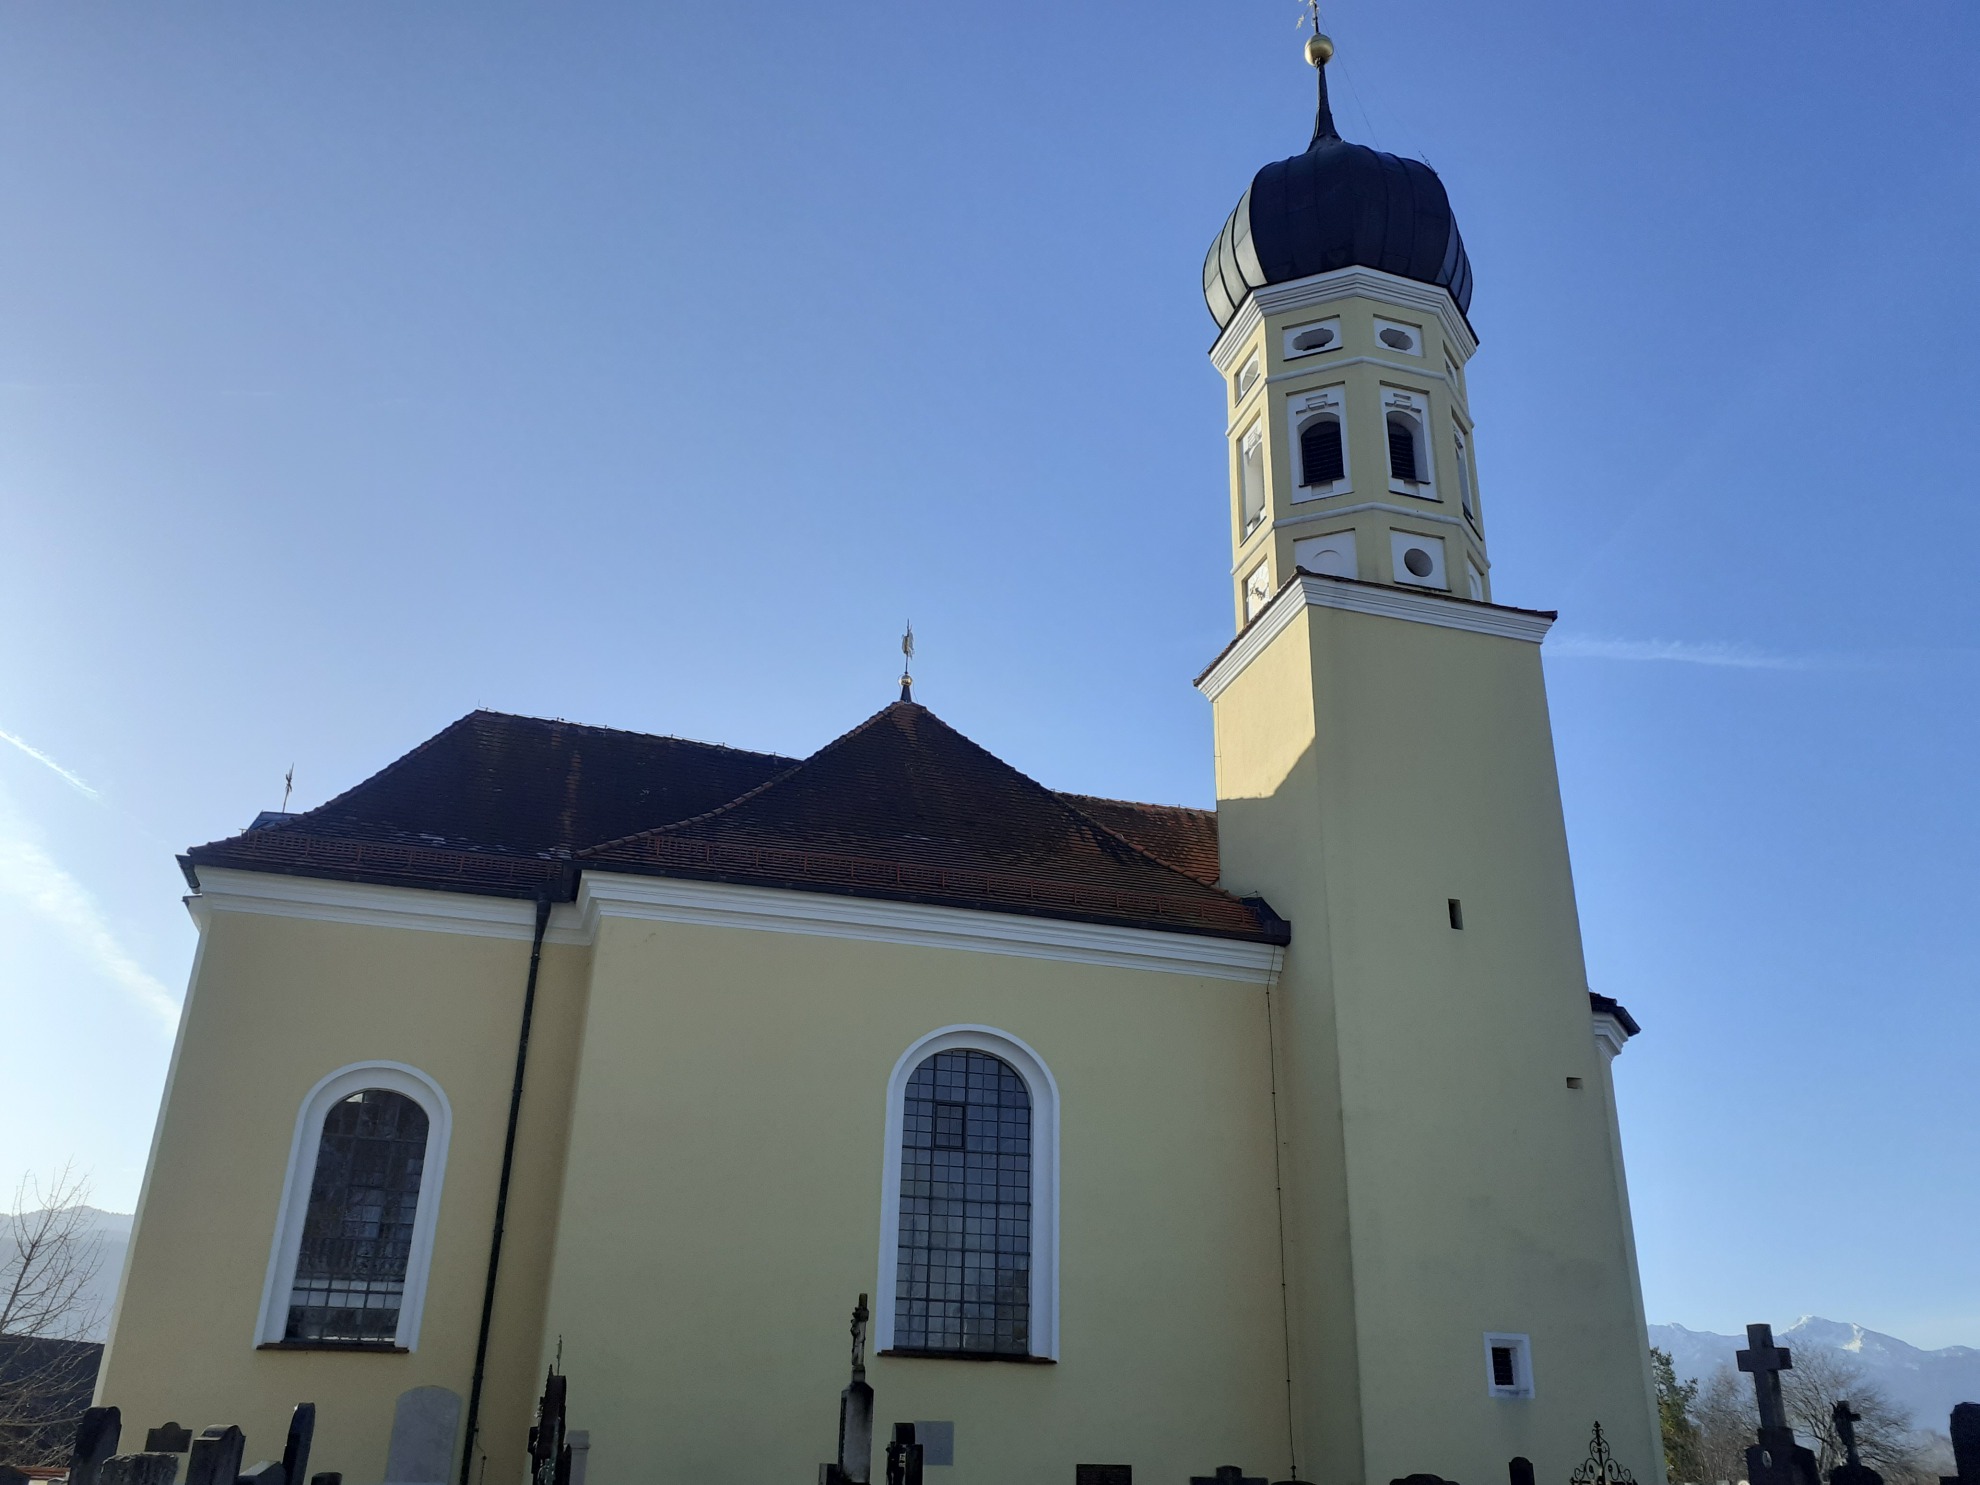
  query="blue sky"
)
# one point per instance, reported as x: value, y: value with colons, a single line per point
x: 649, y: 365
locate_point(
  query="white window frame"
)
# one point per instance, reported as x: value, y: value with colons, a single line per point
x: 395, y: 1077
x: 1043, y: 1326
x: 1253, y: 437
x: 1522, y: 1350
x: 1416, y: 407
x: 1255, y: 599
x: 1245, y: 380
x: 1414, y: 332
x: 1467, y: 478
x: 1301, y: 409
x: 1288, y: 352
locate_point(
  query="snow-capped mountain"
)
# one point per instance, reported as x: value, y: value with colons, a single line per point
x: 1926, y: 1382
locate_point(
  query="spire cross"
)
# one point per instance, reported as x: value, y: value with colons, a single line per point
x: 907, y: 657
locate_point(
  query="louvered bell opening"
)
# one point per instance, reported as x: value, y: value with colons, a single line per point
x: 1321, y: 460
x: 1402, y: 451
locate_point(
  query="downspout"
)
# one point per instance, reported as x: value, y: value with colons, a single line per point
x: 502, y: 1189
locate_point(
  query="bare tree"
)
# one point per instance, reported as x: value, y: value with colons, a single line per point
x: 49, y: 1255
x: 1885, y: 1434
x: 1727, y: 1422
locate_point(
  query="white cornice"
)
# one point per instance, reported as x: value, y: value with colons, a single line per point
x: 1326, y: 288
x: 1309, y: 590
x: 225, y: 891
x: 1610, y: 1033
x: 829, y: 915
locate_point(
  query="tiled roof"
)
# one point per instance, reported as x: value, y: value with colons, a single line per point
x: 901, y: 807
x: 904, y: 806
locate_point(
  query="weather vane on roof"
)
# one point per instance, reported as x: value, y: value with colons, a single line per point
x: 907, y: 659
x: 1309, y: 15
x: 288, y: 784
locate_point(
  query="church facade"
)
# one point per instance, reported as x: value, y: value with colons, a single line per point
x: 1280, y: 1135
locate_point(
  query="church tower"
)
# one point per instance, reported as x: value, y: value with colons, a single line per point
x: 1460, y: 1269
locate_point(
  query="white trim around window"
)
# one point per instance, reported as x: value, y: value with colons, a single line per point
x: 1038, y: 1080
x: 395, y: 1077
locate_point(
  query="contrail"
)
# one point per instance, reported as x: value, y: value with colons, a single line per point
x: 1683, y: 652
x: 47, y: 762
x: 29, y: 875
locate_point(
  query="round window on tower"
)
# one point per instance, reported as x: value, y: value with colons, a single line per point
x: 1419, y: 562
x: 1399, y: 337
x: 1312, y: 338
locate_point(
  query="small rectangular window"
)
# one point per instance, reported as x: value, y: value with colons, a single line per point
x: 1508, y: 1366
x: 1457, y: 913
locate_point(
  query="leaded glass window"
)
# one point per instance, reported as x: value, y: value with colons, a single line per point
x: 351, y: 1266
x: 962, y: 1280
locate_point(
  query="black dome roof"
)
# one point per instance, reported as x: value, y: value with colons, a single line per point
x: 1337, y: 205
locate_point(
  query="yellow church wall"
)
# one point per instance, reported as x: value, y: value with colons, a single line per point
x: 1474, y: 1191
x: 277, y: 1003
x: 730, y: 1115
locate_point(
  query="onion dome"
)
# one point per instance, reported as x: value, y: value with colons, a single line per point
x: 1338, y: 205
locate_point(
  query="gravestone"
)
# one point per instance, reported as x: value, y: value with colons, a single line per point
x: 148, y: 1468
x: 295, y: 1453
x: 168, y: 1438
x: 1230, y: 1474
x: 262, y: 1472
x: 328, y: 1477
x: 1777, y: 1459
x: 425, y: 1422
x: 904, y: 1457
x: 1103, y: 1474
x: 96, y: 1441
x: 11, y: 1476
x: 1966, y: 1445
x: 854, y: 1465
x: 1519, y: 1470
x: 1852, y: 1471
x: 216, y: 1457
x: 580, y: 1444
x: 1423, y: 1480
x: 549, y: 1450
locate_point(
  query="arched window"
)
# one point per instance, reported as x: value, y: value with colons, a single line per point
x: 969, y: 1234
x: 350, y: 1278
x: 354, y: 1236
x: 1403, y: 461
x: 1251, y: 475
x: 1322, y: 460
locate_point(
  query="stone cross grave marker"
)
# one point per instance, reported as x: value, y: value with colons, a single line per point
x: 904, y: 1457
x: 1776, y: 1459
x: 96, y: 1441
x: 1852, y: 1471
x: 854, y: 1465
x: 1966, y: 1445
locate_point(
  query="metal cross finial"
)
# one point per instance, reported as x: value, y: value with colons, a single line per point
x: 1311, y: 16
x: 288, y: 783
x: 907, y: 680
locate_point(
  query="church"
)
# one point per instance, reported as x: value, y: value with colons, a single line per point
x: 1279, y: 1135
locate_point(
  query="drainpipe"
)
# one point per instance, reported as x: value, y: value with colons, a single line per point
x: 502, y: 1189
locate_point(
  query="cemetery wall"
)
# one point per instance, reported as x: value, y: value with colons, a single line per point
x: 730, y: 1111
x: 1372, y: 769
x: 275, y: 1004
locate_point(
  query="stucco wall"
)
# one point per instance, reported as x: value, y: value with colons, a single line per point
x: 723, y: 1194
x: 1474, y: 1190
x: 276, y: 1004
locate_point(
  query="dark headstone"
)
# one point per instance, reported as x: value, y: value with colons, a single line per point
x: 149, y: 1468
x: 265, y: 1472
x: 1965, y: 1432
x: 1228, y: 1474
x: 295, y: 1453
x: 904, y: 1457
x: 1852, y: 1471
x: 1777, y: 1459
x: 549, y: 1454
x: 1103, y: 1474
x: 11, y: 1476
x: 1423, y: 1480
x: 168, y: 1438
x: 96, y: 1441
x: 1519, y: 1470
x: 216, y: 1457
x: 328, y: 1477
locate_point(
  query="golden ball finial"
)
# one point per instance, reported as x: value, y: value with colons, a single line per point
x: 1319, y: 50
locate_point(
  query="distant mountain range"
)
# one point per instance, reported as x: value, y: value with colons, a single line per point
x: 112, y: 1231
x: 1926, y: 1382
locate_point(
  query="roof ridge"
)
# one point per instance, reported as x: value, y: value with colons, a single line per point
x: 482, y: 711
x: 1140, y: 804
x: 768, y: 784
x: 293, y: 823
